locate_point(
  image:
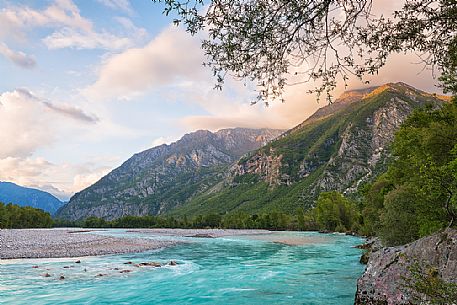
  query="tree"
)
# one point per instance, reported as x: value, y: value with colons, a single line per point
x: 399, y: 222
x: 373, y: 204
x: 16, y: 217
x: 425, y: 151
x: 334, y: 212
x: 418, y: 194
x: 278, y: 42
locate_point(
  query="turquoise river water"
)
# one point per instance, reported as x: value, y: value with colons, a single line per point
x: 317, y: 269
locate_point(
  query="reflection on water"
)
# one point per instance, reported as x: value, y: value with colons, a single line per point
x: 281, y: 268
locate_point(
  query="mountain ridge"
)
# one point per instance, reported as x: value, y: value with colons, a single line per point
x: 154, y: 180
x: 340, y: 147
x: 340, y: 151
x: 25, y: 196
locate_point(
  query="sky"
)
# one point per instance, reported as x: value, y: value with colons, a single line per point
x: 86, y: 84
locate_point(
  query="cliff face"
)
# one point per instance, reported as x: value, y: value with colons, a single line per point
x: 349, y: 150
x: 158, y: 179
x: 388, y: 270
x: 338, y: 148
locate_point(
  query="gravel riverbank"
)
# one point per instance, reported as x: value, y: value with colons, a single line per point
x: 53, y: 243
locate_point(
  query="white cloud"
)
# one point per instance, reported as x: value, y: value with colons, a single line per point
x: 19, y: 58
x: 70, y: 38
x: 122, y: 5
x: 28, y: 123
x: 71, y: 29
x: 61, y: 180
x: 179, y: 76
x: 169, y: 58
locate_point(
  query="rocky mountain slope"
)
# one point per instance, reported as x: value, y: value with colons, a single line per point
x: 338, y: 148
x: 24, y: 196
x: 161, y: 178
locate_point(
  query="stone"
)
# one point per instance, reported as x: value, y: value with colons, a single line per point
x: 125, y: 271
x: 150, y: 264
x: 384, y: 279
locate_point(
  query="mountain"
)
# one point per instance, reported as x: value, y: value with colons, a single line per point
x: 340, y: 147
x: 159, y: 179
x: 24, y: 196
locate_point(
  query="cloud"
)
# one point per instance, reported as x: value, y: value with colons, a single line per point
x: 71, y: 30
x: 179, y: 76
x: 19, y: 58
x: 122, y: 5
x: 15, y: 20
x: 70, y: 38
x: 232, y: 109
x: 169, y: 58
x: 28, y: 123
x: 72, y: 112
x: 61, y: 180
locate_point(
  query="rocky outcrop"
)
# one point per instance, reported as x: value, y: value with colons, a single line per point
x: 161, y: 178
x: 266, y: 166
x: 388, y: 276
x: 363, y: 147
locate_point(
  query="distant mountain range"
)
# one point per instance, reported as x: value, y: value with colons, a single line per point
x: 162, y: 178
x: 24, y: 196
x: 340, y: 147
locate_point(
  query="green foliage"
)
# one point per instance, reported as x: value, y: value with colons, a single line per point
x: 16, y: 217
x: 399, y: 222
x: 264, y: 41
x: 374, y: 204
x: 274, y: 220
x: 428, y: 287
x: 94, y: 222
x: 418, y: 194
x: 334, y: 212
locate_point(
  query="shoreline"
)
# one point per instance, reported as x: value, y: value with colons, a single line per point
x: 65, y: 243
x: 79, y: 242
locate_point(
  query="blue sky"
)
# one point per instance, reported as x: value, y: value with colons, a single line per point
x: 86, y: 84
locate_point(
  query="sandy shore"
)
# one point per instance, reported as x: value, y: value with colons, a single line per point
x: 54, y: 243
x: 57, y: 243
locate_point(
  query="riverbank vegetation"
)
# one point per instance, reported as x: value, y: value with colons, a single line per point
x: 16, y: 217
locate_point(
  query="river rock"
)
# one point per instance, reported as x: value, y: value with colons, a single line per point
x: 150, y: 264
x: 125, y: 271
x: 384, y: 279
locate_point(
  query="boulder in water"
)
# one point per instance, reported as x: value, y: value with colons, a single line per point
x: 150, y: 264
